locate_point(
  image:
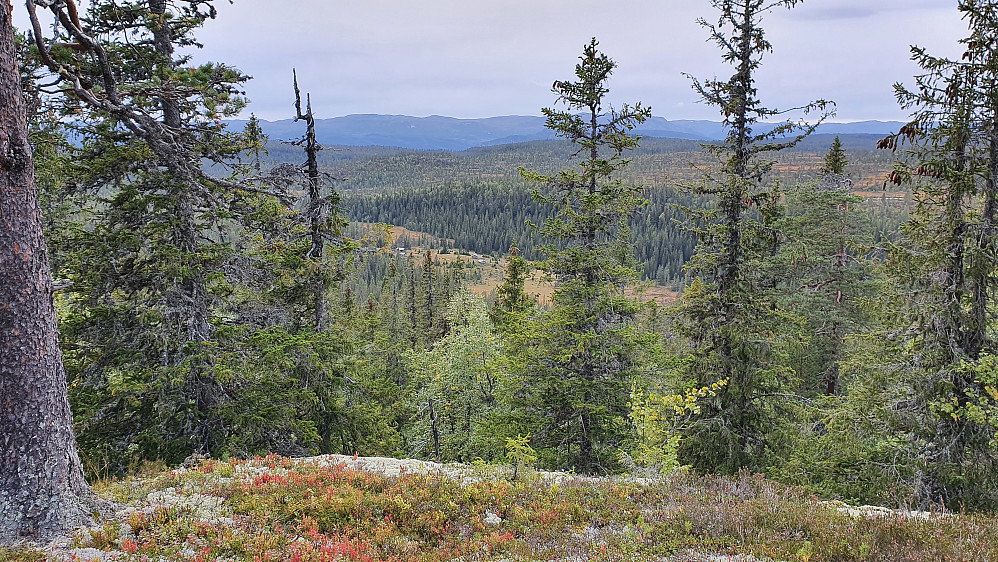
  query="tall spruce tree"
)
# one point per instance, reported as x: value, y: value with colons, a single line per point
x: 727, y: 325
x: 150, y: 271
x: 578, y: 376
x: 942, y: 273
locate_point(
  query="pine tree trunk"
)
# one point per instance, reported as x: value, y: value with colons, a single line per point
x: 42, y: 490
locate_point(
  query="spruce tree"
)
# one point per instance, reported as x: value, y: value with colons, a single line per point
x: 942, y: 273
x: 727, y: 326
x: 578, y: 375
x: 150, y: 269
x: 512, y: 301
x: 835, y: 160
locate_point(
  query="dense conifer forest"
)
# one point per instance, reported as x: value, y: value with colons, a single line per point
x: 833, y: 325
x: 476, y: 200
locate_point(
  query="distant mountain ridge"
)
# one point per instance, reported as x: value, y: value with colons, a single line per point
x: 448, y: 133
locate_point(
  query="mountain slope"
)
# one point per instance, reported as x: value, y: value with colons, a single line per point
x: 447, y: 133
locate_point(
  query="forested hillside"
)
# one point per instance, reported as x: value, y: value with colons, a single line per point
x: 654, y: 163
x: 436, y: 132
x: 478, y: 200
x: 224, y: 295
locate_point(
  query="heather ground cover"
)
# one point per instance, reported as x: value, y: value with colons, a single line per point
x: 276, y: 508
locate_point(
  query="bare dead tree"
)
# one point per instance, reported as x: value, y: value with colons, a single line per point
x: 315, y: 203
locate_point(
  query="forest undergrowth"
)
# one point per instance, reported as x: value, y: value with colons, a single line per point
x: 321, y: 509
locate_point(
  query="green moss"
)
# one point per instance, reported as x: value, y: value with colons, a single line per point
x: 21, y: 555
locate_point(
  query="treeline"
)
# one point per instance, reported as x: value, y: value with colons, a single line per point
x: 656, y: 162
x: 489, y: 217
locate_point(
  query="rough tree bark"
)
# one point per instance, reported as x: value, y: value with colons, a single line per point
x: 42, y: 490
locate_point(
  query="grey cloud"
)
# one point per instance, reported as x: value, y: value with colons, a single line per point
x: 837, y: 10
x: 469, y: 58
x: 840, y: 13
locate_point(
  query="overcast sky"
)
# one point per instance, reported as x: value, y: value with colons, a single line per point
x: 481, y: 58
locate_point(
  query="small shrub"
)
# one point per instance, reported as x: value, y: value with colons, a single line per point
x: 519, y: 453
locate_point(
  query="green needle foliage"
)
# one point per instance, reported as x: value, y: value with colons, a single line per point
x: 730, y: 326
x: 835, y: 160
x: 148, y: 260
x: 512, y: 302
x: 578, y: 375
x: 178, y: 338
x: 940, y: 305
